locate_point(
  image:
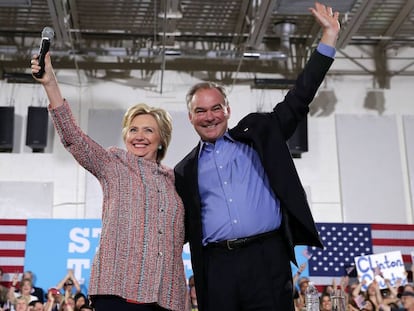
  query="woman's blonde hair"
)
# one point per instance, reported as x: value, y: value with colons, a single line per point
x: 161, y: 116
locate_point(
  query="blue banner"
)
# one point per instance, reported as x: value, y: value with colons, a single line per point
x: 55, y: 245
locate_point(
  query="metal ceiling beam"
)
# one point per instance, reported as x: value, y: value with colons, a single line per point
x: 74, y: 16
x: 169, y: 15
x: 15, y: 3
x: 345, y: 36
x: 260, y: 23
x: 399, y: 20
x: 57, y: 13
x: 179, y: 65
x: 242, y: 20
x: 382, y: 74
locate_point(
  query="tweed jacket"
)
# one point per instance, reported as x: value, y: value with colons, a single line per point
x: 140, y: 251
x: 267, y: 133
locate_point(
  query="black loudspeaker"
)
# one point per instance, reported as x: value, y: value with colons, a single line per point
x: 37, y: 125
x: 6, y: 129
x: 298, y: 143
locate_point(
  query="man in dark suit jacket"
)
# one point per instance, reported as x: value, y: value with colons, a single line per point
x: 245, y: 206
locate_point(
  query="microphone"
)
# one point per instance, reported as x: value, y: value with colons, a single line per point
x: 47, y: 36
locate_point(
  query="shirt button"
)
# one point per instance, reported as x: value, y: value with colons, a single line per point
x: 220, y: 166
x: 159, y: 254
x: 217, y: 151
x: 235, y: 221
x: 160, y: 231
x: 225, y: 182
x: 230, y: 200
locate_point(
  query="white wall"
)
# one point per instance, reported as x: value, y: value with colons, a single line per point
x: 318, y: 168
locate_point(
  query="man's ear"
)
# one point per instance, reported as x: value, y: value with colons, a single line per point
x: 228, y: 111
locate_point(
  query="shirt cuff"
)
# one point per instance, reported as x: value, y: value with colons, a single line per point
x: 326, y: 50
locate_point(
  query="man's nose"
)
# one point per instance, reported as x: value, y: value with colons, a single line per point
x: 209, y: 115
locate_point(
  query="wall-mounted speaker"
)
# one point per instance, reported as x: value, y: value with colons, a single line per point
x: 6, y: 129
x: 298, y: 143
x: 37, y: 126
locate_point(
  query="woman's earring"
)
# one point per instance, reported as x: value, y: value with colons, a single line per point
x: 159, y: 147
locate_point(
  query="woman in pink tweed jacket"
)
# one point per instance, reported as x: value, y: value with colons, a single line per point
x: 139, y: 262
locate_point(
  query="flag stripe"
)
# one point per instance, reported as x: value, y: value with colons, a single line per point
x: 8, y: 277
x: 392, y: 227
x: 394, y: 242
x: 12, y: 229
x: 11, y: 261
x: 12, y: 237
x: 12, y: 246
x: 388, y: 248
x: 13, y: 222
x: 11, y: 253
x: 11, y: 270
x: 393, y: 234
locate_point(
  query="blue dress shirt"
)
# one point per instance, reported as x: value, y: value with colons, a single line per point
x: 236, y: 198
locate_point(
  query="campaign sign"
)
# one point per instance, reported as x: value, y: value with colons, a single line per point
x: 381, y: 267
x: 53, y: 246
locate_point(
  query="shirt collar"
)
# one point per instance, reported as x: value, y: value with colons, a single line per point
x: 226, y: 136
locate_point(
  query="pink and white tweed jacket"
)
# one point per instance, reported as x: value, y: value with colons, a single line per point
x: 141, y: 243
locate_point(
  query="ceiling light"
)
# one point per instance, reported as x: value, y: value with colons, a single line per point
x: 171, y: 15
x: 170, y: 33
x: 172, y: 52
x: 251, y: 54
x: 265, y: 55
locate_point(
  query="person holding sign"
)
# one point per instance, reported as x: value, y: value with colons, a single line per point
x: 139, y: 263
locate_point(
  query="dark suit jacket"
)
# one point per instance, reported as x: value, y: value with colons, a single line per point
x: 267, y: 133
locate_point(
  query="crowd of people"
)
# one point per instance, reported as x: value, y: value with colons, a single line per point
x: 394, y: 297
x: 21, y: 294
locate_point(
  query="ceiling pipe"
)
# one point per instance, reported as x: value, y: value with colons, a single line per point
x: 284, y: 31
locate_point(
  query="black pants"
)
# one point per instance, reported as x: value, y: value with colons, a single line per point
x: 115, y: 303
x: 255, y: 277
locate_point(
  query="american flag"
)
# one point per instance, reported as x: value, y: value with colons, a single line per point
x: 12, y: 247
x: 345, y: 241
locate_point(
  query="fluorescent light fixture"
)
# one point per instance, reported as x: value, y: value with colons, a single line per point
x: 172, y: 52
x: 171, y: 15
x: 170, y: 33
x: 251, y: 54
x: 265, y: 55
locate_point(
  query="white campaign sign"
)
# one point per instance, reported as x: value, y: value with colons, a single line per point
x: 381, y: 267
